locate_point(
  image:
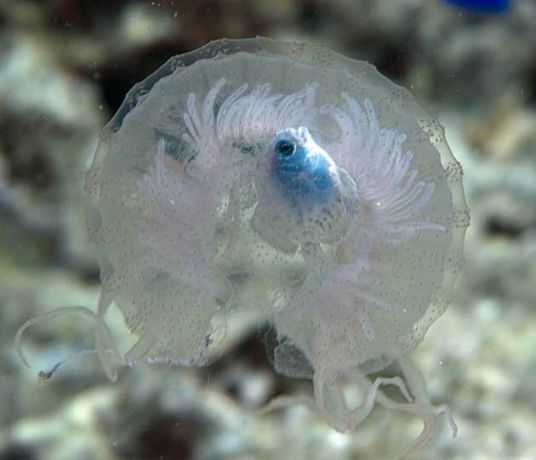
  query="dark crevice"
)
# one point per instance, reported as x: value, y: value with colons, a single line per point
x: 495, y: 226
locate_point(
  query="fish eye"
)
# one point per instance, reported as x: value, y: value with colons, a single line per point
x: 285, y: 148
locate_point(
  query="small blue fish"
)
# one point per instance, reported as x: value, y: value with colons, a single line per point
x: 303, y: 196
x: 307, y: 174
x: 482, y: 6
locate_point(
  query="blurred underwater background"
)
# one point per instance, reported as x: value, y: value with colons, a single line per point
x: 65, y: 67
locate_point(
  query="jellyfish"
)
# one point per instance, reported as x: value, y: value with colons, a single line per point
x: 287, y: 181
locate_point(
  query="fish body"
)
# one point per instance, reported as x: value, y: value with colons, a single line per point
x: 303, y: 196
x: 306, y: 174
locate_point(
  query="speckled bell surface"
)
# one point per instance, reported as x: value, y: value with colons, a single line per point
x: 285, y: 180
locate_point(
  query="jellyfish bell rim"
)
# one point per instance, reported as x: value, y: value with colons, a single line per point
x: 225, y: 47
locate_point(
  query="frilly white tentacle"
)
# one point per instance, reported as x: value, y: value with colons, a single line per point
x: 389, y: 191
x: 244, y: 116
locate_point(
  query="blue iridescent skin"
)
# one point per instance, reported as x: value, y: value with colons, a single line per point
x: 307, y: 174
x: 482, y: 6
x: 303, y: 197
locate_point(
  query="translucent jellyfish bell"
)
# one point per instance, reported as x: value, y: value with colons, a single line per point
x: 282, y: 179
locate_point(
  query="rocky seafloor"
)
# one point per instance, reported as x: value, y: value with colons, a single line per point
x: 65, y: 67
